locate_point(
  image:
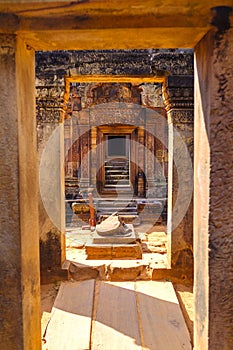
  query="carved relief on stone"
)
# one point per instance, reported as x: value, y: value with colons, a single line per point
x: 49, y: 115
x: 156, y: 62
x: 152, y: 95
x: 178, y: 92
x: 178, y: 97
x: 48, y: 92
x: 49, y: 104
x: 182, y: 116
x: 175, y: 62
x: 118, y: 115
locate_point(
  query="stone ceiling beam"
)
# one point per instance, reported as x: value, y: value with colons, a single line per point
x: 96, y: 24
x: 107, y: 39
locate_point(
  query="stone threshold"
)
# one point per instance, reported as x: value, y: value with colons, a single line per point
x: 147, y: 268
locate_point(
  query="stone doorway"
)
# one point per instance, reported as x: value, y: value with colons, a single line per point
x: 116, y: 161
x: 113, y: 134
x: 30, y: 31
x: 116, y: 171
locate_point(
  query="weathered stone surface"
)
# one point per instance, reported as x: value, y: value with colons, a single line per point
x: 51, y: 200
x: 110, y: 62
x: 129, y: 273
x: 81, y: 272
x: 189, y: 21
x: 179, y: 104
x: 93, y: 25
x: 213, y: 192
x: 19, y: 234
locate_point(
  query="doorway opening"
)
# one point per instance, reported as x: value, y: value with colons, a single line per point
x: 117, y: 161
x: 116, y: 148
x: 98, y: 135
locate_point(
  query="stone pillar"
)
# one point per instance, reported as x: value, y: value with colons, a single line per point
x: 19, y: 234
x: 84, y: 128
x: 179, y: 105
x: 93, y: 165
x: 213, y: 190
x: 141, y: 161
x: 68, y: 124
x: 150, y: 153
x: 51, y: 181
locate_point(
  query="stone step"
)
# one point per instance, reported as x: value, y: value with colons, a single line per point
x: 116, y: 270
x: 117, y: 206
x: 116, y: 176
x: 117, y: 187
x: 121, y: 213
x: 113, y: 171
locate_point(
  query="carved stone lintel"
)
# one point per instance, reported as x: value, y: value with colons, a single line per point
x: 156, y: 62
x: 117, y: 114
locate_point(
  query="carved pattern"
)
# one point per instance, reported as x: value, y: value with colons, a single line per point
x: 49, y: 104
x: 152, y: 95
x: 182, y: 116
x: 101, y: 116
x: 179, y: 97
x: 176, y: 63
x: 136, y: 62
x: 46, y: 92
x: 53, y: 115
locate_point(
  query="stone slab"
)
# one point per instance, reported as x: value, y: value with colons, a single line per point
x: 113, y: 251
x: 130, y: 237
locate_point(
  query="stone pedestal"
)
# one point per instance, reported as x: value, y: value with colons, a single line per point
x: 118, y: 246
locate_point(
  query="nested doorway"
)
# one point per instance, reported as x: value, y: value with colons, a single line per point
x: 116, y: 159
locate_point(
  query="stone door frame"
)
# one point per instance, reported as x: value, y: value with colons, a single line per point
x: 21, y: 262
x: 178, y: 96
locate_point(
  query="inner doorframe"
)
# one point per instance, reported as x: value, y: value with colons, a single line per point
x: 112, y: 79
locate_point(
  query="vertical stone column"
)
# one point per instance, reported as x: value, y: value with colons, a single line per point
x: 51, y: 180
x: 141, y: 161
x: 85, y: 154
x: 70, y: 151
x: 75, y: 137
x: 179, y: 105
x: 19, y: 234
x: 93, y: 164
x: 213, y: 190
x: 150, y: 153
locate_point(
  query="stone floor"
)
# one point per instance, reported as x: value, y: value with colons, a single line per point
x: 116, y: 315
x: 80, y: 269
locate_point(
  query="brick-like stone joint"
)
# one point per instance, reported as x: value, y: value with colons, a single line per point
x: 178, y: 92
x: 221, y: 17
